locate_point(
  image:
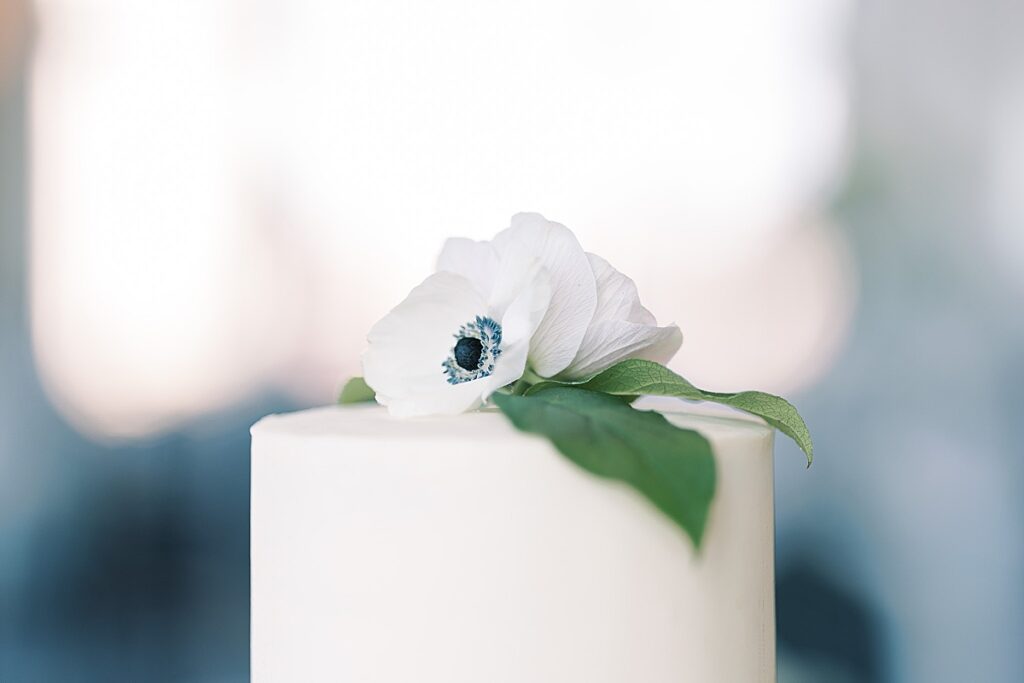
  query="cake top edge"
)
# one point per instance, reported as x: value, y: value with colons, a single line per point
x: 370, y: 420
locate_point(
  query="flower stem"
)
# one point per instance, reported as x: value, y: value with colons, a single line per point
x: 519, y: 387
x: 530, y: 377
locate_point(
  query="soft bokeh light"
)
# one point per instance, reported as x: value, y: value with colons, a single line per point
x: 168, y: 138
x: 777, y: 323
x: 142, y: 306
x: 13, y: 22
x: 1005, y: 236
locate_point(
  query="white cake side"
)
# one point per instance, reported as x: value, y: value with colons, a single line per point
x: 460, y: 550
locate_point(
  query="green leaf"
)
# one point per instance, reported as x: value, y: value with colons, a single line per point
x: 633, y: 377
x: 356, y: 390
x: 672, y: 467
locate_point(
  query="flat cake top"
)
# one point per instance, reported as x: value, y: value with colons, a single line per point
x: 370, y: 420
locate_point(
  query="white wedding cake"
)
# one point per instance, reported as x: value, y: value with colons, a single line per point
x: 460, y: 550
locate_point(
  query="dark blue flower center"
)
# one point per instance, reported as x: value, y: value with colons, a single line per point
x: 467, y: 353
x: 476, y: 350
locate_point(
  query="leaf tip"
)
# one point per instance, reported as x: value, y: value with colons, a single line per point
x: 356, y: 390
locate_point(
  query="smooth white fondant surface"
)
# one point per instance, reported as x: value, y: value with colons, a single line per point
x: 460, y: 550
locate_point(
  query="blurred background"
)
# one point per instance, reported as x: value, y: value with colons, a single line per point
x: 205, y: 205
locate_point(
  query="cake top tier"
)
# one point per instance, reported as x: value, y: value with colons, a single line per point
x: 717, y: 424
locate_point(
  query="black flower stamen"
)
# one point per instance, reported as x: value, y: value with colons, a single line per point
x: 467, y: 353
x: 475, y: 352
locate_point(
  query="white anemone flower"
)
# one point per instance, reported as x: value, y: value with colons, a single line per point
x: 529, y: 299
x: 458, y: 336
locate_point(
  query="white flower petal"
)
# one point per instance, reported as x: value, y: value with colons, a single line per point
x: 407, y: 347
x: 516, y: 270
x: 518, y: 324
x: 475, y: 261
x: 459, y: 398
x: 622, y: 328
x: 617, y: 298
x: 573, y: 289
x: 609, y: 341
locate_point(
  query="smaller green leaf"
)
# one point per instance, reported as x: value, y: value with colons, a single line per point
x: 356, y: 390
x: 644, y: 377
x: 673, y: 467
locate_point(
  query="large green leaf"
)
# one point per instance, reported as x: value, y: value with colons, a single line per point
x: 356, y: 390
x: 643, y: 377
x: 673, y: 467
